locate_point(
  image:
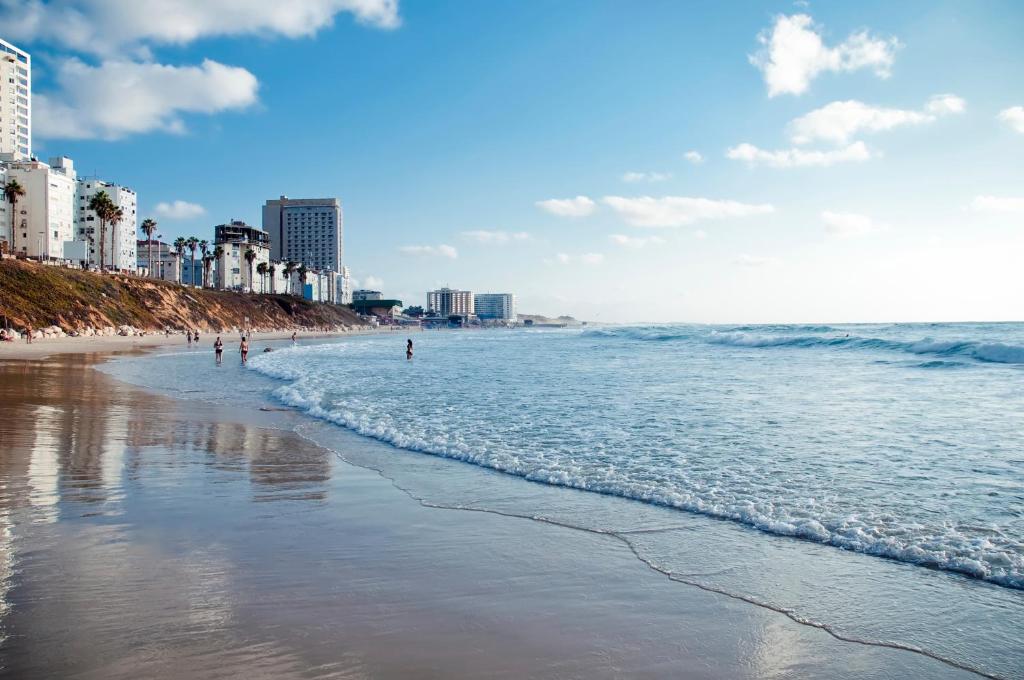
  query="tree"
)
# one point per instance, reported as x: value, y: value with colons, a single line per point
x: 12, y: 192
x: 289, y: 269
x: 192, y: 242
x: 272, y: 269
x: 179, y: 246
x: 302, y: 279
x: 116, y: 215
x: 204, y: 248
x: 414, y: 311
x: 104, y: 208
x: 218, y: 253
x: 261, y: 269
x: 148, y: 227
x: 250, y: 257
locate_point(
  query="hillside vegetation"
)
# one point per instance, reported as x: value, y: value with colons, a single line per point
x: 41, y: 295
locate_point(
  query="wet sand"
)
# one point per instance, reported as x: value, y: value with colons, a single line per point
x: 144, y: 536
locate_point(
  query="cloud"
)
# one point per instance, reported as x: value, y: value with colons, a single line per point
x: 634, y: 177
x: 495, y: 237
x: 754, y: 260
x: 118, y: 27
x: 1014, y: 117
x: 178, y: 210
x: 793, y: 54
x: 635, y: 241
x: 433, y: 251
x: 799, y: 158
x: 839, y: 121
x: 694, y: 157
x: 120, y: 98
x: 581, y: 206
x: 848, y: 225
x: 584, y: 258
x: 1003, y: 205
x: 676, y: 211
x: 700, y: 234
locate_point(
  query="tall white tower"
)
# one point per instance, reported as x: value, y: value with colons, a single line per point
x: 15, y: 103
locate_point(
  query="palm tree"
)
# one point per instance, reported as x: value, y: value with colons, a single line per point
x: 12, y: 192
x: 204, y: 247
x: 218, y: 253
x: 250, y: 256
x: 271, y: 269
x: 116, y: 215
x: 261, y: 269
x: 289, y: 269
x: 179, y: 246
x: 104, y: 208
x: 148, y: 227
x: 302, y: 279
x: 192, y: 242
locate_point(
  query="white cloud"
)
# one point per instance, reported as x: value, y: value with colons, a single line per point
x: 119, y: 98
x: 839, y: 121
x: 754, y: 260
x: 848, y: 225
x: 694, y: 157
x: 581, y: 206
x: 373, y: 283
x: 433, y: 251
x: 1014, y: 117
x: 1005, y: 205
x: 635, y: 241
x: 634, y: 177
x: 584, y: 258
x: 700, y: 234
x: 178, y: 210
x: 495, y: 237
x: 793, y: 54
x: 676, y: 211
x: 798, y: 158
x: 118, y: 27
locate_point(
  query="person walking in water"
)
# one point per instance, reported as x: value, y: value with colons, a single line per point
x: 188, y: 334
x: 293, y: 337
x: 408, y: 349
x: 243, y: 349
x: 218, y: 349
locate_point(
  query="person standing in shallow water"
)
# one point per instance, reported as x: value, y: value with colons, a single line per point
x: 243, y: 349
x: 218, y: 349
x: 408, y: 349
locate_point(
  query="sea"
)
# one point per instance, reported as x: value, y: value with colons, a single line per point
x: 864, y: 479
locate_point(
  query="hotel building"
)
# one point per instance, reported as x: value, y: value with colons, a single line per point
x: 307, y: 230
x: 446, y: 302
x: 497, y: 306
x: 15, y: 103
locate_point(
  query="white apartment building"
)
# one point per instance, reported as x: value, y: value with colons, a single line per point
x: 343, y: 287
x: 119, y: 247
x: 45, y: 215
x: 307, y: 230
x: 367, y: 295
x: 237, y: 237
x: 15, y: 103
x: 497, y: 306
x: 446, y: 302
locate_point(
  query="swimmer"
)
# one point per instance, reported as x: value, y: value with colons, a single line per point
x: 243, y: 349
x: 218, y: 349
x: 408, y: 349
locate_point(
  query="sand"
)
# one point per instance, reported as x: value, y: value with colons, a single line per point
x: 145, y: 536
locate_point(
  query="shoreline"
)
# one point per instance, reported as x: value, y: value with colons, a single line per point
x: 449, y: 594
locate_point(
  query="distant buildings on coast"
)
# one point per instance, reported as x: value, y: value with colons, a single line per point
x: 446, y: 303
x: 46, y: 213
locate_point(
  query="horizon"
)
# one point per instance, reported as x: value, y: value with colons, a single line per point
x: 751, y: 163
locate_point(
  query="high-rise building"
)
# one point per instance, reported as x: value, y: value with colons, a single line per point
x: 446, y: 302
x: 119, y: 241
x: 306, y: 230
x: 44, y: 218
x: 15, y: 103
x: 498, y: 306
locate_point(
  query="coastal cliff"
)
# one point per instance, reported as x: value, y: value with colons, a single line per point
x: 41, y: 296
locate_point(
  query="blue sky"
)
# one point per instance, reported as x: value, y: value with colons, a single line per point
x: 857, y: 161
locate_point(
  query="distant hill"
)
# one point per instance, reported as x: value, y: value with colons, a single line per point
x: 541, y: 319
x: 40, y: 295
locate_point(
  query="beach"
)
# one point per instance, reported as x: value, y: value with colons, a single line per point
x: 146, y: 535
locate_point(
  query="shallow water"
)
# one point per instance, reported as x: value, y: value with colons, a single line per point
x: 868, y: 479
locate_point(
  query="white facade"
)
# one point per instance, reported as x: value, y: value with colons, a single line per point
x: 498, y: 306
x: 120, y: 250
x: 367, y: 295
x: 343, y: 294
x: 307, y: 230
x: 446, y: 301
x: 45, y: 215
x: 15, y: 103
x: 233, y: 271
x: 165, y: 265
